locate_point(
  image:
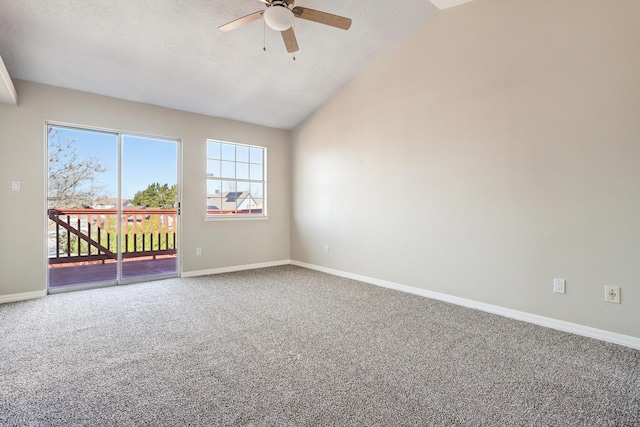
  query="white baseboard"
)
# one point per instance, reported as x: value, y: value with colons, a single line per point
x: 22, y: 296
x: 612, y: 337
x: 560, y: 325
x: 233, y: 268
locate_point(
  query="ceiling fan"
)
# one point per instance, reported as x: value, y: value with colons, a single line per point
x: 280, y: 15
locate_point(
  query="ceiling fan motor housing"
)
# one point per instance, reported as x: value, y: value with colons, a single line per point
x: 278, y: 16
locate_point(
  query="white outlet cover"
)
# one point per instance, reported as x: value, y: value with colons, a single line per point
x: 612, y: 294
x: 559, y: 286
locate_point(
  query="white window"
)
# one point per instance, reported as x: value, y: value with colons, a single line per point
x: 236, y: 183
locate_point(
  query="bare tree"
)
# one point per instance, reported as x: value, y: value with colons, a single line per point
x: 72, y: 179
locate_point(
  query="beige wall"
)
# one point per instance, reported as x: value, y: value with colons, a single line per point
x: 495, y: 149
x: 22, y: 157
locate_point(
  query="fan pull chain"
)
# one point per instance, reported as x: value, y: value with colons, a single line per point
x: 264, y: 36
x: 294, y: 29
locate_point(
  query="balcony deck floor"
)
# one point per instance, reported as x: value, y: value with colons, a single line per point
x: 63, y: 276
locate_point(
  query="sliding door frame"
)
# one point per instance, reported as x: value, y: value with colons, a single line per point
x: 119, y: 134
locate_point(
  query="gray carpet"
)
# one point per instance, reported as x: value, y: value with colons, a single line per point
x: 287, y: 346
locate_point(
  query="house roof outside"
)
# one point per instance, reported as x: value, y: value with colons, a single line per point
x: 234, y: 201
x: 110, y: 202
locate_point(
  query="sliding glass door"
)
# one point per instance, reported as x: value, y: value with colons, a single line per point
x: 112, y: 208
x: 150, y: 216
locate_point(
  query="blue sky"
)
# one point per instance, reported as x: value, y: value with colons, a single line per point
x: 145, y: 160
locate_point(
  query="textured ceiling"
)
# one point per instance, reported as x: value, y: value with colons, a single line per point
x: 170, y: 53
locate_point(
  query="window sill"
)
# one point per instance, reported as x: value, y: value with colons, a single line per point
x: 216, y: 218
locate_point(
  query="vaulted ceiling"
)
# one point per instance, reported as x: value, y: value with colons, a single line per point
x: 170, y: 52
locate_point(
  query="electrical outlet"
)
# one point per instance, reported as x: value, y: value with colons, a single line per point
x: 558, y: 285
x: 326, y: 249
x: 198, y: 251
x: 612, y: 294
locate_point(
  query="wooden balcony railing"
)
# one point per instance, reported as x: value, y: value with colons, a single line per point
x: 81, y: 235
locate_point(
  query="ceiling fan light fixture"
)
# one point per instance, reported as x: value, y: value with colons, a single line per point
x: 278, y: 17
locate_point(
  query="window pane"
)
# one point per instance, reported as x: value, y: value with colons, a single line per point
x: 256, y: 155
x: 228, y: 169
x: 228, y: 152
x: 214, y: 205
x: 213, y: 167
x: 256, y: 172
x: 213, y: 150
x: 228, y: 187
x: 242, y: 170
x: 257, y: 190
x: 256, y: 206
x: 214, y: 188
x: 244, y: 204
x: 242, y: 154
x: 242, y: 186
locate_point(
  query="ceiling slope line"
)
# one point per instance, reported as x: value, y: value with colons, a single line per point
x: 445, y: 4
x: 8, y: 93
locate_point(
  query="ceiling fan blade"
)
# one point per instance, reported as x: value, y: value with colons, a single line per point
x: 322, y: 17
x: 241, y: 21
x: 265, y: 1
x: 290, y: 41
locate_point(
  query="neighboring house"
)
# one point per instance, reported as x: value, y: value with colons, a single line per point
x: 233, y: 202
x: 133, y: 213
x: 110, y: 203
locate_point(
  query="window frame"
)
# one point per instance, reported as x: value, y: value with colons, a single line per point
x: 263, y: 215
